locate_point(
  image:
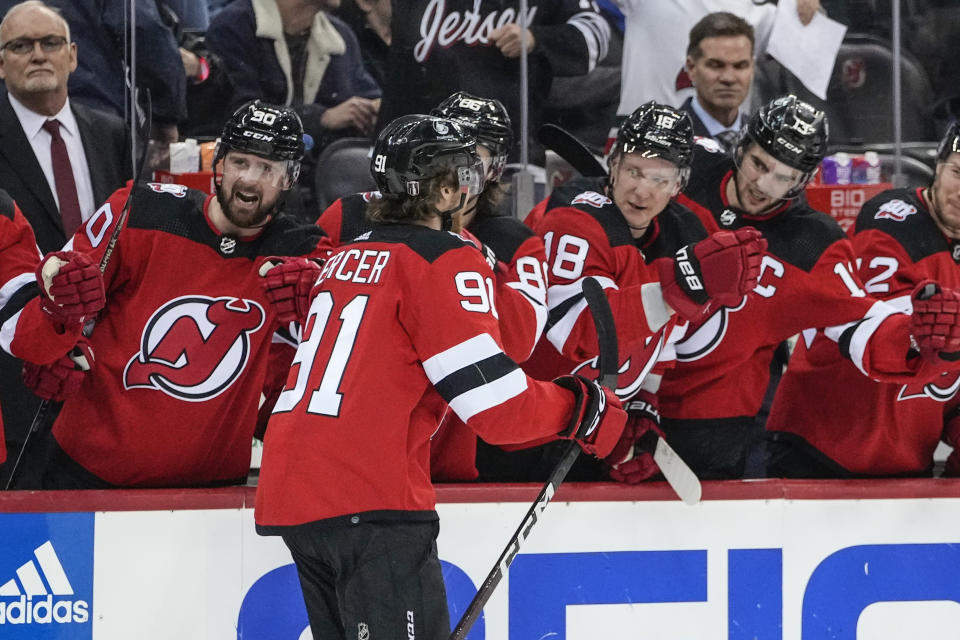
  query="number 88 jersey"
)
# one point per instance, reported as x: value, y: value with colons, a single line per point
x: 403, y: 322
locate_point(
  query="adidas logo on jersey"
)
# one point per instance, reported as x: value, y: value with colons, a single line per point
x: 895, y: 210
x: 41, y: 593
x: 592, y: 198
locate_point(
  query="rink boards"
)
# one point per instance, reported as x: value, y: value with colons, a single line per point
x: 771, y: 560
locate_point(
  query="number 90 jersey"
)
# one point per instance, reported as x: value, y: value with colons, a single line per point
x: 402, y: 322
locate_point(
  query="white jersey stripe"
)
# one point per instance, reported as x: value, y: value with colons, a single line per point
x: 7, y: 331
x: 53, y: 569
x: 13, y: 285
x: 879, y: 312
x: 468, y: 352
x: 560, y: 332
x: 496, y: 392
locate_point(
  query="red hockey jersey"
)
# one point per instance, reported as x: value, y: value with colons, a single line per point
x: 868, y: 427
x: 181, y: 346
x: 402, y: 324
x: 586, y: 235
x: 521, y: 295
x: 806, y: 280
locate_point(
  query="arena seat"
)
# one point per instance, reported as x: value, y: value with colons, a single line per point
x: 343, y: 168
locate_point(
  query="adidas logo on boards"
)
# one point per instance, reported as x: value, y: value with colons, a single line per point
x: 32, y: 602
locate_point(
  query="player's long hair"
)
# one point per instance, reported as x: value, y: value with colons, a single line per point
x: 488, y: 204
x: 406, y: 209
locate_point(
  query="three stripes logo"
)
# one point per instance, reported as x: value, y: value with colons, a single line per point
x: 41, y: 593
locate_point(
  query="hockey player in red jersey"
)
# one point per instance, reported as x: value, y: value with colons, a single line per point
x: 652, y: 255
x: 38, y: 325
x: 710, y: 400
x: 410, y: 311
x: 827, y: 419
x: 183, y: 344
x: 515, y: 251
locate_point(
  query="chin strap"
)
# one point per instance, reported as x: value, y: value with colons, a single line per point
x: 446, y: 216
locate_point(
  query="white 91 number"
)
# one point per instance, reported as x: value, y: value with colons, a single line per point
x: 380, y: 163
x: 477, y: 292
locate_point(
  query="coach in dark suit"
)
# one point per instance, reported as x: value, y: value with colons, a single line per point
x: 720, y: 65
x: 59, y: 161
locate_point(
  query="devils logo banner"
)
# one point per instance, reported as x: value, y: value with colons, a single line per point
x: 194, y: 347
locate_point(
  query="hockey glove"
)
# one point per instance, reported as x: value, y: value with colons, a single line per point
x: 935, y: 322
x: 598, y: 418
x: 71, y: 287
x: 287, y: 283
x: 951, y: 436
x: 631, y: 461
x: 717, y: 271
x: 61, y: 378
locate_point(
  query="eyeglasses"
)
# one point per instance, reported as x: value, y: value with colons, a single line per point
x: 23, y: 46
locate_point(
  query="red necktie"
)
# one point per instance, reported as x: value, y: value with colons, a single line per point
x: 63, y: 178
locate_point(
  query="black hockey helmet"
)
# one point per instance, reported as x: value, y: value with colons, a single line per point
x: 657, y: 130
x: 950, y: 143
x: 486, y: 119
x: 793, y: 132
x: 417, y: 147
x: 266, y: 130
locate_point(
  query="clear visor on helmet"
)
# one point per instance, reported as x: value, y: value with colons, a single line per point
x: 472, y: 178
x: 249, y: 168
x: 770, y: 176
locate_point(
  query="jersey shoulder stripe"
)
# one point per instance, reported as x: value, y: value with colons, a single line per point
x: 800, y: 235
x: 503, y: 234
x: 902, y: 215
x: 7, y: 206
x: 428, y: 243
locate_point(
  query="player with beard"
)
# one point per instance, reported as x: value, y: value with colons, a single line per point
x: 709, y: 402
x: 515, y: 252
x: 183, y: 345
x: 828, y: 420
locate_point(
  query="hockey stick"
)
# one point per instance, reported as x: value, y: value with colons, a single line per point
x: 608, y: 358
x: 104, y: 261
x: 566, y: 145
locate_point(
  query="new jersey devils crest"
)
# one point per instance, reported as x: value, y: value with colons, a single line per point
x: 194, y: 347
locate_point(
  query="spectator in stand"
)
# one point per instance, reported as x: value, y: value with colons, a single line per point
x: 657, y: 31
x: 293, y: 52
x: 59, y: 159
x: 828, y: 421
x: 439, y: 47
x: 33, y: 321
x: 720, y: 66
x: 184, y: 352
x: 370, y: 21
x: 99, y: 30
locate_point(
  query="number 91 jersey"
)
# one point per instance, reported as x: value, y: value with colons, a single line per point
x: 402, y: 323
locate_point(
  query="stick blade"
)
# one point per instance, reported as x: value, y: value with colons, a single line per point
x: 680, y: 476
x: 565, y: 145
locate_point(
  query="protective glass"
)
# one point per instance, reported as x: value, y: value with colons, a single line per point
x: 23, y: 46
x: 472, y: 177
x: 254, y: 169
x: 774, y: 178
x: 660, y: 179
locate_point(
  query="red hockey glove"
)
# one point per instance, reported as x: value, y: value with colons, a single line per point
x: 598, y: 417
x: 630, y: 462
x: 719, y: 270
x: 951, y: 436
x: 71, y: 287
x: 61, y: 378
x: 935, y: 322
x: 287, y: 283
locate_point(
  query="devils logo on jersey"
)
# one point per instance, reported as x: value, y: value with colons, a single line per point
x: 632, y: 372
x: 194, y: 347
x: 942, y: 390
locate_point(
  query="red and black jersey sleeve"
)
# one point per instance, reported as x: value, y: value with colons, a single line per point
x: 26, y: 331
